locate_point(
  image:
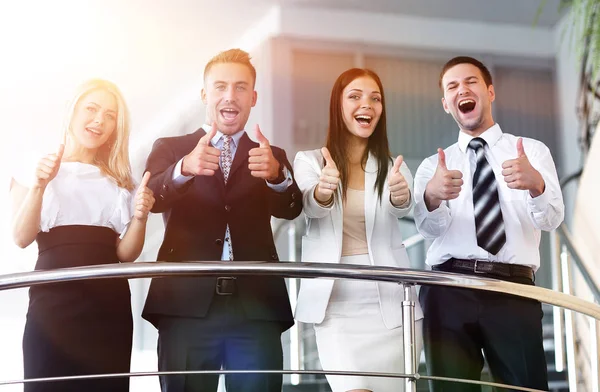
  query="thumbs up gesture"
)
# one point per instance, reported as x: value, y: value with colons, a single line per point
x: 444, y: 185
x: 329, y: 179
x: 204, y: 158
x: 47, y: 168
x: 519, y: 174
x: 144, y: 199
x: 262, y: 163
x: 399, y: 191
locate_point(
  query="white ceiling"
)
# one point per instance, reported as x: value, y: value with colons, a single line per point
x: 519, y: 12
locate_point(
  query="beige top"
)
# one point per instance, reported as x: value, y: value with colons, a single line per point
x: 354, y: 241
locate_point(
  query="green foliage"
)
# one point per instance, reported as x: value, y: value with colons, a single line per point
x: 584, y: 20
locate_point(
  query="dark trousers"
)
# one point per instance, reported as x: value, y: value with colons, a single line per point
x: 460, y: 323
x: 225, y: 338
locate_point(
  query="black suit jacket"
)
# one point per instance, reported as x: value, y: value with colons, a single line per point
x: 196, y: 216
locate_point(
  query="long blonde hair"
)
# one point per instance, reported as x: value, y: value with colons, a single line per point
x: 113, y: 156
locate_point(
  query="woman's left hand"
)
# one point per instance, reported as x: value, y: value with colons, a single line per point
x: 144, y: 199
x: 399, y: 192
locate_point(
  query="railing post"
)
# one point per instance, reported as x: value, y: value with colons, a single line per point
x: 595, y: 354
x: 557, y: 312
x: 409, y: 341
x: 569, y: 321
x: 296, y: 344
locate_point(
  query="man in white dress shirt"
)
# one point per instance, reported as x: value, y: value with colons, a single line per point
x: 483, y: 201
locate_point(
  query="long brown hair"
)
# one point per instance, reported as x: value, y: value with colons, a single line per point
x: 338, y: 134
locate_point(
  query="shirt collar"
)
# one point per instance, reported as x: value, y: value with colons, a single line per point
x: 235, y: 137
x: 490, y: 135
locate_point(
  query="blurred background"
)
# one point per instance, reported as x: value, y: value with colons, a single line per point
x: 155, y: 51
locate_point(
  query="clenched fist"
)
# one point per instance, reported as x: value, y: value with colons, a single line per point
x: 47, y: 168
x: 444, y: 185
x: 204, y: 158
x: 261, y: 162
x: 519, y: 174
x: 144, y: 199
x: 329, y: 179
x: 399, y: 191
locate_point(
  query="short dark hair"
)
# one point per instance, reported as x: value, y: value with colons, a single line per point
x: 487, y: 76
x: 236, y: 56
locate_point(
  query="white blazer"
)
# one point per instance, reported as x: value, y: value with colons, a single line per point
x: 323, y: 240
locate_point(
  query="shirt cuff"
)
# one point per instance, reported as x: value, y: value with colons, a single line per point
x: 283, y: 185
x: 178, y: 178
x: 538, y: 204
x: 404, y: 206
x: 439, y: 213
x: 438, y: 216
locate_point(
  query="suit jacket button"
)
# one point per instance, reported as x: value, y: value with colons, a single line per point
x: 165, y: 187
x: 171, y: 250
x: 227, y: 208
x: 274, y: 256
x: 162, y: 197
x: 292, y: 204
x: 294, y: 196
x: 219, y: 241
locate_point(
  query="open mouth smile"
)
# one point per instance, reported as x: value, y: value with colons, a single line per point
x: 466, y: 106
x: 363, y: 120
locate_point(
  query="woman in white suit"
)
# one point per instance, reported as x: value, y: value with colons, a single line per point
x: 353, y: 194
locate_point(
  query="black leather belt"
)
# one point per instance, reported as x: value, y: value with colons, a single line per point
x: 225, y: 286
x: 495, y: 269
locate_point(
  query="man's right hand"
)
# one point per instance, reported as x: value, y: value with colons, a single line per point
x: 444, y: 185
x: 329, y: 179
x: 47, y: 168
x: 204, y: 158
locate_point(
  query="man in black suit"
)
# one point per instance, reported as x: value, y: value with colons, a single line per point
x: 217, y: 190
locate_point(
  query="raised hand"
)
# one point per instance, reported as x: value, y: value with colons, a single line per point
x: 144, y: 199
x: 444, y: 185
x: 399, y: 191
x: 47, y: 168
x: 519, y: 174
x: 203, y: 160
x: 329, y: 179
x: 261, y: 162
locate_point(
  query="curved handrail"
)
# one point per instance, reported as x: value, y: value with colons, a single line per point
x: 290, y: 372
x: 571, y: 177
x: 298, y: 270
x: 565, y: 235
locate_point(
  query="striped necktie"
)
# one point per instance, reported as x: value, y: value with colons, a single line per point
x: 486, y: 203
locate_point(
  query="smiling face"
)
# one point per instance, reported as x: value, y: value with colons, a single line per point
x: 94, y: 119
x: 468, y: 99
x: 229, y: 96
x: 361, y: 106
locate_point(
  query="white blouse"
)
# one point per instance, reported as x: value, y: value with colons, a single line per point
x: 81, y: 194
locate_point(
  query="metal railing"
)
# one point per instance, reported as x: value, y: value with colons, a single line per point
x: 407, y: 277
x: 564, y: 256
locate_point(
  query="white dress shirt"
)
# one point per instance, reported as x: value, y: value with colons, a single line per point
x: 80, y: 194
x: 452, y: 225
x: 217, y: 142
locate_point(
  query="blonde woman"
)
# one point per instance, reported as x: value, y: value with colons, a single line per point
x: 353, y: 194
x: 80, y: 206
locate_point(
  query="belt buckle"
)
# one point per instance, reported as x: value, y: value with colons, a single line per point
x: 475, y: 269
x: 220, y: 285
